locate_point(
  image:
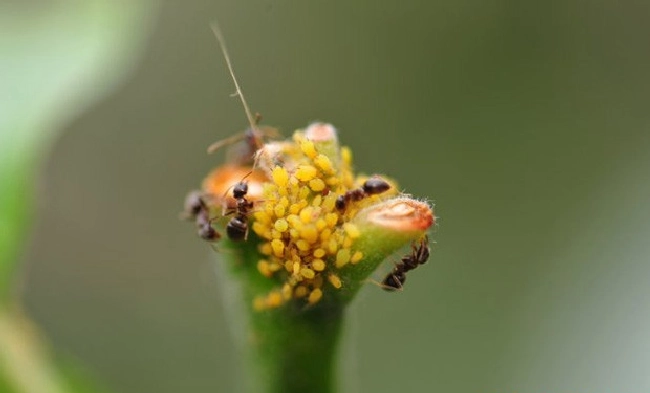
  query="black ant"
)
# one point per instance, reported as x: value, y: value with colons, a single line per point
x: 372, y: 186
x: 237, y: 228
x: 418, y: 256
x: 197, y: 209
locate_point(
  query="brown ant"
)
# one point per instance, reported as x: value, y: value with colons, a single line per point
x: 372, y: 186
x: 418, y: 256
x: 197, y: 209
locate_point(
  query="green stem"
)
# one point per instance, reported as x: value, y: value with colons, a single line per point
x: 291, y: 349
x: 294, y: 351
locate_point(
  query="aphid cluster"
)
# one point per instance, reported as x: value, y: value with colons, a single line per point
x: 301, y: 202
x: 418, y: 256
x: 196, y: 209
x: 372, y: 186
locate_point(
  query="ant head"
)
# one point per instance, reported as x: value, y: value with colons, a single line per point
x: 240, y: 190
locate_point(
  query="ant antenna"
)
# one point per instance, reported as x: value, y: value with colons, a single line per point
x: 222, y: 44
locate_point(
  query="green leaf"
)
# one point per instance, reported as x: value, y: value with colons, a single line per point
x: 56, y: 60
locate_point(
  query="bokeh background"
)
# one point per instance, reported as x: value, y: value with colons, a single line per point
x: 527, y: 123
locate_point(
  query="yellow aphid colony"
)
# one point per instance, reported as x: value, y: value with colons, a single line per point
x: 301, y: 215
x: 306, y: 197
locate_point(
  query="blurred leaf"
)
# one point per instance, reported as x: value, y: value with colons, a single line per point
x: 57, y: 59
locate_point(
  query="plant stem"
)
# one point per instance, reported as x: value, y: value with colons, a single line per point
x: 291, y: 349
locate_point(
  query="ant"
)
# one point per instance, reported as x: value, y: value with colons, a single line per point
x: 197, y: 209
x: 372, y: 186
x: 237, y: 228
x: 418, y: 256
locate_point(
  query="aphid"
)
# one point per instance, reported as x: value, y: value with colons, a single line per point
x: 371, y: 186
x: 237, y: 228
x: 397, y: 277
x: 197, y: 209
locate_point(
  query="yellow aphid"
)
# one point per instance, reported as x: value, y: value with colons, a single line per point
x: 356, y: 257
x: 296, y: 268
x: 307, y: 272
x: 259, y: 228
x: 331, y: 219
x: 263, y: 267
x: 294, y: 208
x: 319, y: 253
x: 306, y: 215
x: 274, y: 267
x: 351, y: 230
x: 281, y: 225
x: 347, y: 242
x: 308, y: 148
x: 324, y: 163
x: 321, y: 224
x: 329, y: 202
x: 303, y: 193
x: 318, y: 199
x: 302, y: 245
x: 266, y: 249
x: 335, y: 281
x: 333, y: 181
x: 342, y: 257
x: 315, y: 296
x: 325, y: 235
x: 309, y: 233
x: 332, y: 246
x: 305, y: 173
x: 318, y: 265
x: 278, y: 247
x: 288, y: 265
x: 279, y: 210
x: 286, y: 291
x: 275, y: 234
x: 317, y: 185
x: 283, y: 201
x: 346, y: 155
x: 280, y: 176
x: 300, y: 291
x: 294, y: 220
x: 262, y: 217
x: 274, y: 300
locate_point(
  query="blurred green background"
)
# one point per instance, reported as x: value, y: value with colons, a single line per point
x: 527, y: 123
